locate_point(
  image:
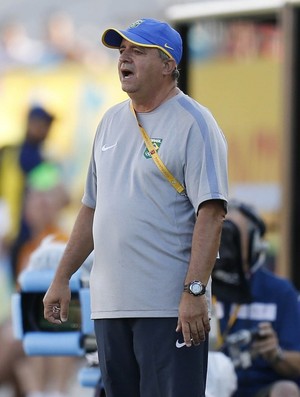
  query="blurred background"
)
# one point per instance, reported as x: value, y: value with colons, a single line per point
x: 241, y: 60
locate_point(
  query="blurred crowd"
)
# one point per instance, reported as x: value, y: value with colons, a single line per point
x: 32, y: 198
x: 59, y: 42
x: 34, y: 193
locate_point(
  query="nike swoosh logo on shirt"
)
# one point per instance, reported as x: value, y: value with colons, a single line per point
x: 104, y: 147
x: 179, y: 344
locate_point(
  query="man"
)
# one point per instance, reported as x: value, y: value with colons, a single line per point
x: 250, y: 297
x: 16, y: 162
x: 154, y: 248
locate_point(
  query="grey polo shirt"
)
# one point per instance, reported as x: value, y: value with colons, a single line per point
x: 142, y: 227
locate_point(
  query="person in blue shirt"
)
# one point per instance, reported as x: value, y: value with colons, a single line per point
x: 258, y: 312
x: 16, y: 163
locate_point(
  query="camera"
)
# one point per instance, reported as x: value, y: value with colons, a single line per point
x: 238, y: 345
x: 74, y: 337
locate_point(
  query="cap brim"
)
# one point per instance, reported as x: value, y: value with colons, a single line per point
x: 112, y: 38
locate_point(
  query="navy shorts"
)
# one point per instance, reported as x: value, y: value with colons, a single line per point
x: 145, y: 357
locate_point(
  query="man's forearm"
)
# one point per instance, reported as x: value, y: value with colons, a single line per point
x: 206, y: 240
x: 79, y: 246
x: 287, y: 363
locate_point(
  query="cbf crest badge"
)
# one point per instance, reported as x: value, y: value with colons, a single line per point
x: 156, y: 143
x: 135, y: 24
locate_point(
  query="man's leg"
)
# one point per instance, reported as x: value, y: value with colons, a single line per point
x: 168, y: 368
x: 118, y: 364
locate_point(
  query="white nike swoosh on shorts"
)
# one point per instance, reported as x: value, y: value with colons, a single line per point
x: 105, y: 147
x: 180, y: 344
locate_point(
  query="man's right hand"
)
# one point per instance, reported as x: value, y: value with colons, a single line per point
x: 56, y: 302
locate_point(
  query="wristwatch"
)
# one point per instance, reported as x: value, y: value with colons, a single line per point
x: 195, y: 288
x: 279, y: 356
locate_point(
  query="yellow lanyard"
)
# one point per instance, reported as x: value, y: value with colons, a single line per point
x: 232, y: 319
x: 153, y: 153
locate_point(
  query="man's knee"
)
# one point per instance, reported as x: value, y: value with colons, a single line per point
x: 285, y: 388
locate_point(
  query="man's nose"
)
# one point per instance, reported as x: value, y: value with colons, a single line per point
x: 125, y: 56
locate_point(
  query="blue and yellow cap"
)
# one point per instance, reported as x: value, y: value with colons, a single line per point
x: 147, y: 32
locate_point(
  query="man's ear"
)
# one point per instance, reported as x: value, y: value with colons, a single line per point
x: 169, y: 66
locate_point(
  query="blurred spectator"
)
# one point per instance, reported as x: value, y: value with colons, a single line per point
x: 258, y: 312
x: 44, y: 200
x: 61, y: 40
x: 10, y: 351
x: 66, y: 43
x: 11, y: 356
x: 16, y: 161
x: 16, y: 47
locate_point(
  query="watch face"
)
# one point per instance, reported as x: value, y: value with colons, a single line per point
x: 196, y: 288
